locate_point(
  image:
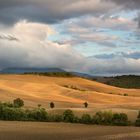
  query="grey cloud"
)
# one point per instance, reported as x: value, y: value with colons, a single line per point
x: 53, y: 11
x: 132, y: 55
x: 49, y: 11
x: 114, y: 65
x: 128, y: 5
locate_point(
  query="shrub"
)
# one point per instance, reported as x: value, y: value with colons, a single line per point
x: 68, y: 116
x: 137, y: 123
x: 18, y: 102
x: 103, y: 118
x: 37, y: 114
x: 76, y: 119
x: 12, y: 114
x: 55, y: 118
x: 125, y: 94
x: 97, y: 118
x: 120, y: 119
x: 86, y: 119
x: 8, y: 104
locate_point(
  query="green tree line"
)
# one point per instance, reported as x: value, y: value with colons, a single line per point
x: 15, y: 112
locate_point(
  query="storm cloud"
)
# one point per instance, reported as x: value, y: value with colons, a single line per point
x: 49, y: 11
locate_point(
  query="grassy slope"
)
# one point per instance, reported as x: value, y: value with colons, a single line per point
x: 41, y: 90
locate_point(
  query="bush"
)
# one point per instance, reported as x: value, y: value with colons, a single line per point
x: 76, y: 119
x: 86, y: 119
x: 137, y: 123
x: 68, y: 116
x: 39, y: 114
x: 97, y: 118
x: 55, y: 118
x: 8, y: 104
x: 125, y: 94
x: 103, y: 118
x: 12, y: 114
x: 120, y: 119
x: 18, y: 102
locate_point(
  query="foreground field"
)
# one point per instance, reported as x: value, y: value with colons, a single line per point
x: 62, y: 131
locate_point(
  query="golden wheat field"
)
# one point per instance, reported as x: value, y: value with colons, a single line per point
x: 69, y: 93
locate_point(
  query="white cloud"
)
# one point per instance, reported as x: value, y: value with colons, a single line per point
x: 33, y: 49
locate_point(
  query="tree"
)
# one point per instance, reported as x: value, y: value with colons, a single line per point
x: 86, y: 104
x: 52, y: 105
x: 18, y: 102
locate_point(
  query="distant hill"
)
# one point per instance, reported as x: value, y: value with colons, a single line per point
x: 29, y: 70
x: 66, y: 92
x: 83, y: 75
x: 125, y: 81
x: 44, y: 71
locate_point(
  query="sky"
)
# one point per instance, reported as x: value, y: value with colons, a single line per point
x: 97, y: 37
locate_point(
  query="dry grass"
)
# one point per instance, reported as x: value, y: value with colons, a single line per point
x: 62, y: 131
x: 41, y: 90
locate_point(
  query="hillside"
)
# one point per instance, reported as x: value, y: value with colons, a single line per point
x: 66, y: 92
x: 125, y: 81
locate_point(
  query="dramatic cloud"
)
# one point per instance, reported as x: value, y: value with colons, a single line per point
x: 128, y: 5
x: 47, y: 33
x: 32, y: 48
x: 49, y: 11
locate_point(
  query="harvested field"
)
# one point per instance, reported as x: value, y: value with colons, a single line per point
x: 62, y: 131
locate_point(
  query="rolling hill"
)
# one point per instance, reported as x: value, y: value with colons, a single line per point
x: 66, y: 92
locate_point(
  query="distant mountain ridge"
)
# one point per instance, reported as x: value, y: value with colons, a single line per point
x: 28, y: 70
